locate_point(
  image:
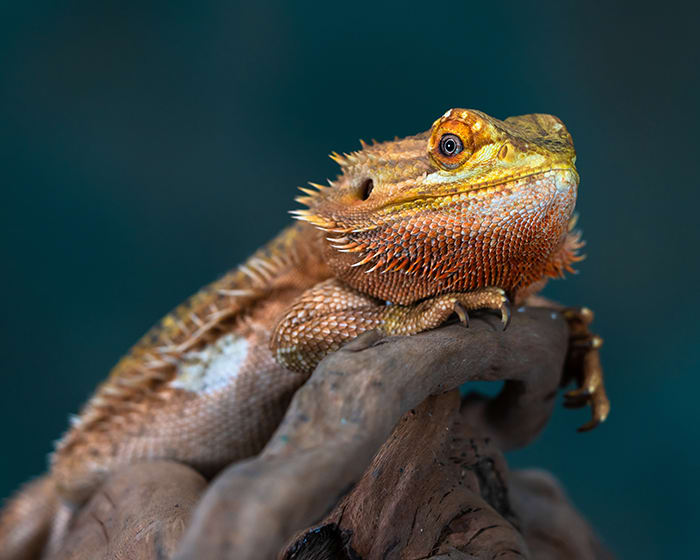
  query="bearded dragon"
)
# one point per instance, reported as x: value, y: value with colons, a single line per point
x: 475, y: 213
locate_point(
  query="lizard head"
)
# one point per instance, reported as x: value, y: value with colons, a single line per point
x: 474, y: 200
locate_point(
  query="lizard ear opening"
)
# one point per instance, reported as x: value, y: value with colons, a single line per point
x: 366, y: 189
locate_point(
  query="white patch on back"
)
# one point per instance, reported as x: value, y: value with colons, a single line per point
x: 212, y: 368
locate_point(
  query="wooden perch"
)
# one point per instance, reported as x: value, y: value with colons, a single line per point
x: 434, y: 490
x: 140, y: 513
x: 343, y: 414
x: 377, y: 457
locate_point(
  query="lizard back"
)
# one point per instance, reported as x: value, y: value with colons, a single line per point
x: 200, y: 387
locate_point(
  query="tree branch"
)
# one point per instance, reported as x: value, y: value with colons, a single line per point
x: 343, y: 414
x: 140, y: 513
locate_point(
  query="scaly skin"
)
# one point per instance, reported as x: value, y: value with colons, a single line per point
x: 474, y: 213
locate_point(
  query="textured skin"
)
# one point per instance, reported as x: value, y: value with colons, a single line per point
x: 430, y: 225
x: 141, y: 411
x: 403, y: 223
x: 496, y: 215
x: 331, y: 313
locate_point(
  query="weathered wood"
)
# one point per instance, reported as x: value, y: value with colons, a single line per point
x: 343, y: 414
x: 377, y: 457
x: 435, y: 490
x: 140, y: 513
x: 432, y: 487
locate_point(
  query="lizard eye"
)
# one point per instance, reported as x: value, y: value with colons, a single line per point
x: 450, y: 145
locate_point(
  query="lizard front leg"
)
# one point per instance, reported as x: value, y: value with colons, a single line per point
x: 331, y: 313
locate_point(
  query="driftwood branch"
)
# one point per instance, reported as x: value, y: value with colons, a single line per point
x: 343, y: 414
x: 140, y: 513
x: 435, y: 490
x: 377, y: 457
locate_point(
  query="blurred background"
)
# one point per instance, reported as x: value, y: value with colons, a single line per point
x: 147, y: 147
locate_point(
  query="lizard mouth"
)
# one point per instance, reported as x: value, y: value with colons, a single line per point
x: 331, y: 219
x: 565, y: 178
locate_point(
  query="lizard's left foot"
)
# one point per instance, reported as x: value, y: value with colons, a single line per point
x: 584, y: 361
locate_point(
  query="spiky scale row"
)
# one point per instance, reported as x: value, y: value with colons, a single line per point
x: 140, y: 384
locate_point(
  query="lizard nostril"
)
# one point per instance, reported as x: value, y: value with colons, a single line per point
x: 366, y: 188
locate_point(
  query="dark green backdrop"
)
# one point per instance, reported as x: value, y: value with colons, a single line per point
x: 147, y: 147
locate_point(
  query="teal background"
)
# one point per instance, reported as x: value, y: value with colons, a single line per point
x: 147, y: 147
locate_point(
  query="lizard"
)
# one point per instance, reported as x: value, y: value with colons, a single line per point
x: 474, y: 213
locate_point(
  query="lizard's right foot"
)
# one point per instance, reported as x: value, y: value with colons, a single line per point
x: 433, y: 312
x: 488, y: 298
x: 584, y: 362
x: 331, y: 313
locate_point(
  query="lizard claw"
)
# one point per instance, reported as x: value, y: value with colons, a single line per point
x: 591, y: 392
x: 600, y: 408
x: 505, y: 312
x: 461, y: 312
x: 491, y: 298
x: 598, y: 401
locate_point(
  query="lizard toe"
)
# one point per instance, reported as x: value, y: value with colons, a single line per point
x: 505, y: 312
x: 461, y: 312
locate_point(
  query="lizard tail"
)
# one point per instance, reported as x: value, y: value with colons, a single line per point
x: 25, y: 521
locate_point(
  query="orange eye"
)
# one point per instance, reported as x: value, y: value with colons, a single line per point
x: 451, y: 143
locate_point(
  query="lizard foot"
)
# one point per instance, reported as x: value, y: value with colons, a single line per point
x: 326, y: 316
x: 487, y: 298
x: 583, y: 362
x: 433, y: 312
